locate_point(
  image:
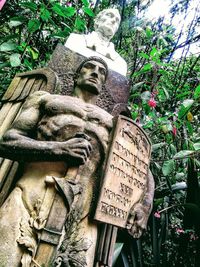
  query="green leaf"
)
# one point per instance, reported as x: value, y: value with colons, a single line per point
x: 5, y: 64
x: 185, y: 107
x: 188, y: 103
x: 134, y: 115
x: 14, y: 23
x: 80, y: 24
x: 149, y: 33
x: 44, y: 14
x: 166, y: 92
x: 33, y: 25
x: 166, y: 127
x: 85, y: 3
x: 197, y: 162
x: 183, y: 154
x: 147, y: 66
x: 173, y: 149
x: 146, y: 95
x: 28, y: 64
x: 197, y: 92
x: 157, y: 166
x: 8, y: 46
x: 158, y: 146
x: 58, y: 9
x: 15, y: 60
x: 144, y: 55
x: 30, y: 5
x: 19, y: 18
x: 69, y: 11
x: 196, y: 146
x: 88, y: 11
x: 136, y: 86
x: 34, y: 53
x: 61, y: 34
x: 180, y: 175
x: 64, y: 11
x: 189, y: 127
x: 168, y: 167
x: 153, y: 52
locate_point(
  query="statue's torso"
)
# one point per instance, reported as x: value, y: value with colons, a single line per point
x: 62, y: 117
x: 65, y: 116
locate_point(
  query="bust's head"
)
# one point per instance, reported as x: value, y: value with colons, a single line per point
x: 107, y: 22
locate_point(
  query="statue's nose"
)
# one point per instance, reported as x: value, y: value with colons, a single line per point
x: 94, y: 74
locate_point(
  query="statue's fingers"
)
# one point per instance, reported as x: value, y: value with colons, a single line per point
x: 131, y: 220
x: 79, y: 155
x: 81, y: 143
x: 128, y: 226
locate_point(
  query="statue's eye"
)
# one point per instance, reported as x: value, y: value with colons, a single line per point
x: 88, y: 65
x: 102, y: 71
x: 111, y: 15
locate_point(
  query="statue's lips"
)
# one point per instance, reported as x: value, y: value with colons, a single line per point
x: 93, y: 80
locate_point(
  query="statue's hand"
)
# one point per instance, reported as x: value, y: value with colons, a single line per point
x: 77, y: 149
x: 137, y: 220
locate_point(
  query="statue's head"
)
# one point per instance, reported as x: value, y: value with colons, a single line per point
x: 91, y: 75
x: 107, y: 22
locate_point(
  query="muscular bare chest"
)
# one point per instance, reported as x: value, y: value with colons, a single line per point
x: 63, y: 117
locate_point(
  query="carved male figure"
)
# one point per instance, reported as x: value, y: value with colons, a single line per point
x: 97, y: 43
x: 45, y: 136
x: 51, y: 134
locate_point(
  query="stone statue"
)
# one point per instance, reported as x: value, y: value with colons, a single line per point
x: 62, y: 141
x: 97, y: 43
x: 51, y: 134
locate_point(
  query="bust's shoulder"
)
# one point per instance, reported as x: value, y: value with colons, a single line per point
x: 74, y: 38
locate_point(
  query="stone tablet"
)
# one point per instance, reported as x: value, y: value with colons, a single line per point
x: 125, y: 178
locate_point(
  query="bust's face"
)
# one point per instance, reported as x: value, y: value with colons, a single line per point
x: 107, y: 22
x: 92, y: 76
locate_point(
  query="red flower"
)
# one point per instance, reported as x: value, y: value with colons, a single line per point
x: 152, y: 103
x: 180, y: 230
x: 174, y: 131
x: 157, y: 214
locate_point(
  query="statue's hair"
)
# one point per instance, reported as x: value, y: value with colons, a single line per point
x: 98, y: 59
x: 105, y: 11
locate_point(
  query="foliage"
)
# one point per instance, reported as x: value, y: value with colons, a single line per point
x: 164, y: 100
x: 31, y: 31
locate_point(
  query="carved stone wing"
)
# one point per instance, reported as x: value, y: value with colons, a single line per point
x: 21, y: 86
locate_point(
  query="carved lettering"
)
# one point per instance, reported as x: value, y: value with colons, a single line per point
x: 113, y: 211
x: 126, y: 173
x: 124, y: 189
x: 138, y: 184
x: 116, y: 197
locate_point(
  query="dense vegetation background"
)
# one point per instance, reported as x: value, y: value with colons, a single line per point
x: 164, y: 100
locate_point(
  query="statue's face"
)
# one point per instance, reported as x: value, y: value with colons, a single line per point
x: 92, y: 76
x: 107, y: 22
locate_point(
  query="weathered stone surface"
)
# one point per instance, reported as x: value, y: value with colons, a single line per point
x: 125, y: 178
x: 53, y: 135
x: 114, y: 95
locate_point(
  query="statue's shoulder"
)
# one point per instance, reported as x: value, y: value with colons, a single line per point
x: 36, y: 98
x: 105, y: 117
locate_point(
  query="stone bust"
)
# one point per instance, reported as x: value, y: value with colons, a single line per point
x: 97, y: 43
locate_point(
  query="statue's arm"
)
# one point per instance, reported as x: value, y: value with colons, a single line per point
x: 19, y: 142
x: 139, y: 214
x: 148, y: 198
